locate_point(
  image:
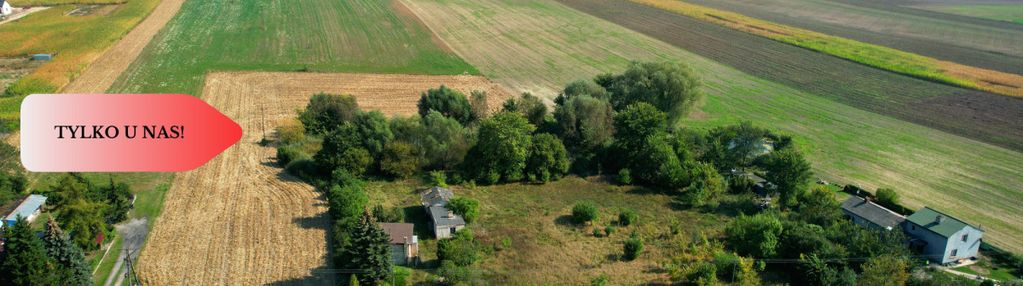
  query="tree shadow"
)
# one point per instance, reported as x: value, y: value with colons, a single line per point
x: 566, y: 221
x: 317, y: 276
x: 320, y: 221
x: 639, y: 190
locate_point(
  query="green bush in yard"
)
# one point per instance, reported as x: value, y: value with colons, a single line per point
x: 584, y: 212
x: 633, y: 247
x: 627, y: 217
x: 468, y: 208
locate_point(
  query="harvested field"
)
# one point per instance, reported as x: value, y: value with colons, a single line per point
x: 1009, y: 12
x: 239, y: 219
x: 102, y: 73
x: 943, y: 38
x: 543, y: 45
x: 983, y: 116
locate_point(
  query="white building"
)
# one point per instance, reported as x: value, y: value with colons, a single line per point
x: 5, y: 8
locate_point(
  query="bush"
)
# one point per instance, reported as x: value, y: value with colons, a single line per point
x: 755, y: 235
x: 597, y: 232
x: 887, y: 198
x: 584, y: 212
x: 326, y: 112
x: 633, y: 247
x: 291, y: 132
x: 395, y: 214
x: 600, y: 280
x: 462, y: 249
x: 399, y: 159
x: 627, y: 217
x: 608, y: 230
x: 439, y: 179
x: 448, y: 102
x: 704, y: 274
x: 741, y: 185
x: 548, y: 159
x: 624, y: 176
x: 290, y: 153
x: 468, y: 208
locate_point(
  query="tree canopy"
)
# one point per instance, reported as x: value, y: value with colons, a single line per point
x: 502, y: 150
x: 446, y: 101
x: 671, y: 87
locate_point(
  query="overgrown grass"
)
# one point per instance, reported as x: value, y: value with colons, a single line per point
x: 75, y: 41
x: 872, y: 55
x: 1000, y: 12
x: 535, y: 242
x: 305, y: 35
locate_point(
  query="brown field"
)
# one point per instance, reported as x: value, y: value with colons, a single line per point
x: 102, y: 73
x: 239, y: 220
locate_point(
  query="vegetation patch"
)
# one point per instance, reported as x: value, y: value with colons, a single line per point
x: 1001, y: 12
x: 868, y: 54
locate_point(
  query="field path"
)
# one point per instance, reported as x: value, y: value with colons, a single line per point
x: 102, y: 73
x: 239, y: 220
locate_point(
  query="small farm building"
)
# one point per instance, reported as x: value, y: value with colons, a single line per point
x: 443, y: 221
x: 29, y: 208
x: 404, y: 244
x: 866, y: 213
x: 941, y: 238
x: 5, y: 8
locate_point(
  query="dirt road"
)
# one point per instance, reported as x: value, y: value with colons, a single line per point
x: 102, y: 73
x: 239, y: 220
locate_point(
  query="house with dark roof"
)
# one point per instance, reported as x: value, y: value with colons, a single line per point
x: 443, y: 221
x: 866, y: 213
x: 404, y: 244
x: 942, y: 238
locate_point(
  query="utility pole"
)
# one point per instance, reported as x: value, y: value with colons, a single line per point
x: 130, y: 269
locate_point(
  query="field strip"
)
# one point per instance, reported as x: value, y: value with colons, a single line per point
x: 547, y: 44
x: 102, y: 73
x: 238, y: 220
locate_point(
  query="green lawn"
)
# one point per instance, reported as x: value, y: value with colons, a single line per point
x: 545, y: 246
x: 975, y: 181
x: 107, y: 265
x: 1000, y: 12
x: 303, y: 35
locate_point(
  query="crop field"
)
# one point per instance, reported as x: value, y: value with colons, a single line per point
x: 21, y: 3
x: 994, y: 47
x: 102, y: 73
x: 545, y: 247
x: 258, y: 224
x: 544, y: 45
x: 1000, y: 12
x: 979, y: 115
x: 872, y: 55
x: 306, y: 35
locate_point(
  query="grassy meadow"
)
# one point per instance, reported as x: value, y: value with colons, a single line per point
x: 541, y: 46
x: 1000, y: 12
x: 869, y: 54
x: 531, y: 222
x: 306, y: 35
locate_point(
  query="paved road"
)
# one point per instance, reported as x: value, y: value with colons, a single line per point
x: 133, y: 233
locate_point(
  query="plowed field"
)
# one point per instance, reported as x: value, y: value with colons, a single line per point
x: 239, y: 220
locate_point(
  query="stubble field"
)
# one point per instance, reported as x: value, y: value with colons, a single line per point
x: 542, y: 45
x: 239, y: 219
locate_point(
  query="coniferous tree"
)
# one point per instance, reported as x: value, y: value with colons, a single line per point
x: 68, y: 257
x: 24, y: 259
x: 369, y: 251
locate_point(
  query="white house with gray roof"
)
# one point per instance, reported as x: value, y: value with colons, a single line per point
x: 942, y: 238
x: 443, y: 221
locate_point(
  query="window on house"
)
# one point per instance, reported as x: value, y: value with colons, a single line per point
x: 965, y: 236
x: 453, y: 230
x: 954, y: 251
x: 914, y: 227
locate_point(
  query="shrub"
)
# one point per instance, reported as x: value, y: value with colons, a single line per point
x: 395, y: 214
x: 608, y: 230
x: 888, y: 198
x: 291, y: 132
x: 462, y: 249
x: 448, y: 102
x: 633, y: 247
x: 290, y: 153
x: 326, y: 112
x: 755, y: 235
x: 627, y: 217
x: 548, y: 159
x: 597, y: 232
x: 741, y: 185
x: 399, y: 159
x: 302, y: 168
x: 438, y: 178
x: 584, y: 212
x: 624, y: 176
x: 704, y: 274
x: 468, y: 208
x: 600, y: 280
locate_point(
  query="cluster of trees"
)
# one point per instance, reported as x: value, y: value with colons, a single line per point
x: 358, y: 242
x: 53, y: 259
x: 829, y: 250
x: 87, y: 210
x: 12, y: 180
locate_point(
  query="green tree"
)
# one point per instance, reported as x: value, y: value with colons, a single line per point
x: 24, y: 260
x: 586, y: 126
x: 500, y: 154
x: 448, y: 102
x: 328, y: 111
x: 657, y: 163
x: 478, y: 105
x: 374, y: 131
x: 706, y: 184
x: 468, y: 208
x: 342, y: 149
x: 347, y: 201
x: 529, y: 106
x: 818, y: 206
x: 445, y: 143
x: 584, y: 212
x: 462, y: 248
x: 790, y: 172
x: 885, y: 270
x: 635, y: 123
x: 633, y: 247
x: 83, y: 220
x: 71, y: 266
x: 671, y: 87
x: 118, y: 200
x: 754, y: 235
x: 582, y: 88
x: 399, y: 159
x: 887, y: 198
x: 369, y: 251
x: 548, y: 159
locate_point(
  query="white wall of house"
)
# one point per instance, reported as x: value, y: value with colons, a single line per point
x: 939, y: 248
x: 6, y: 9
x: 445, y: 232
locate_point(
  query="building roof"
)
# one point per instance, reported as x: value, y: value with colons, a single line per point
x: 440, y: 217
x: 398, y: 232
x: 27, y: 207
x: 928, y: 218
x: 437, y: 196
x: 872, y: 212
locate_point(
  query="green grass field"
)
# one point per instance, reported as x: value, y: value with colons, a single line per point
x: 545, y: 246
x: 22, y: 3
x: 306, y: 35
x: 973, y: 180
x: 1000, y: 12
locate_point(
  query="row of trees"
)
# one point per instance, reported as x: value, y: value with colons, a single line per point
x: 87, y: 210
x: 53, y: 259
